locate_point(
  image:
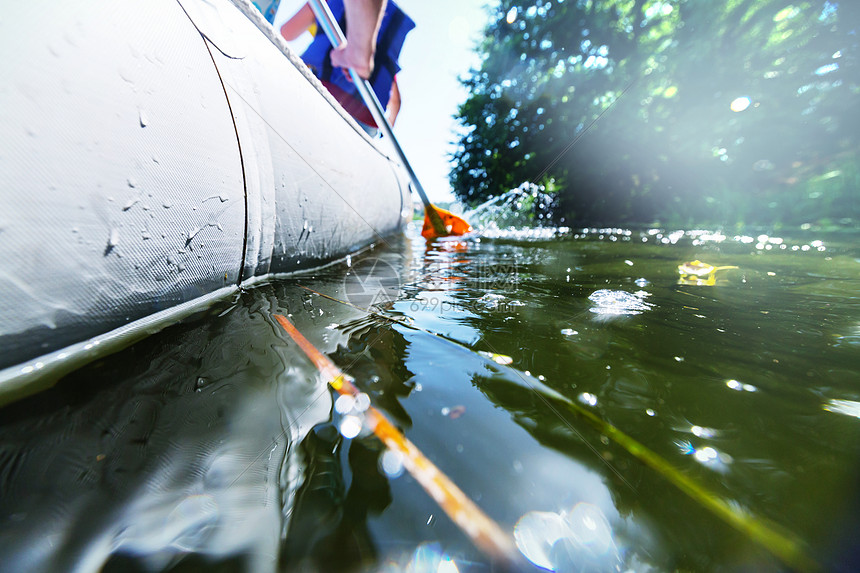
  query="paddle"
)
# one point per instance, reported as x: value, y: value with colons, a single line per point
x: 483, y: 531
x: 437, y: 222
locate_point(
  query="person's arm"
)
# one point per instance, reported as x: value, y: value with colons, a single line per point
x: 301, y: 21
x: 363, y: 18
x: 393, y: 103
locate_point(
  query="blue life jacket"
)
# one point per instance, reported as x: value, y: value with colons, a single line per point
x: 392, y: 32
x: 270, y: 11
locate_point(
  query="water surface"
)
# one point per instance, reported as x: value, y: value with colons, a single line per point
x: 214, y: 444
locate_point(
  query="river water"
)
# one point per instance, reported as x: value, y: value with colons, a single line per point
x: 605, y: 399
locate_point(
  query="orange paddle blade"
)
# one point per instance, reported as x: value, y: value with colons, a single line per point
x: 453, y: 224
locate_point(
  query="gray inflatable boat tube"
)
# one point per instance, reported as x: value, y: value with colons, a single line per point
x: 154, y: 157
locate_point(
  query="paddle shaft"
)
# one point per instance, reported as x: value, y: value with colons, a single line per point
x: 337, y: 38
x: 483, y: 531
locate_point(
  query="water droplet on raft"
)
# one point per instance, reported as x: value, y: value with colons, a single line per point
x: 167, y: 204
x: 144, y: 120
x: 113, y: 241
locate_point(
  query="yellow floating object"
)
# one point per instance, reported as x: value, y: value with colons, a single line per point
x: 497, y: 358
x: 699, y: 273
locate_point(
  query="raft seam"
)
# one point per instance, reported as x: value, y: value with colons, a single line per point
x: 240, y: 278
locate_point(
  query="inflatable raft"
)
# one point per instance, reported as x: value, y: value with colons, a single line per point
x: 156, y: 156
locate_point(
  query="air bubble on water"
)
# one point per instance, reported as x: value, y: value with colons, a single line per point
x: 588, y: 399
x: 650, y: 412
x: 344, y: 404
x: 391, y: 463
x: 535, y: 534
x: 349, y: 260
x: 362, y: 402
x: 609, y: 302
x: 706, y: 454
x: 701, y: 432
x: 569, y: 332
x: 491, y: 301
x: 740, y: 386
x: 641, y: 282
x: 350, y: 427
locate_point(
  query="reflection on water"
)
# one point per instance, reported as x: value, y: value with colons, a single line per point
x: 216, y: 443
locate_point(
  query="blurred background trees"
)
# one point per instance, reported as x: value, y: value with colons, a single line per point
x: 735, y: 112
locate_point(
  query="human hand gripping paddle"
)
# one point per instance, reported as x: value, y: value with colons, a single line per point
x: 437, y: 222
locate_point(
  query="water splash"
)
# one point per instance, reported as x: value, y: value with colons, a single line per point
x: 527, y: 206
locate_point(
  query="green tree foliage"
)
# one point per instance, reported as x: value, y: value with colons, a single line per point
x: 713, y: 112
